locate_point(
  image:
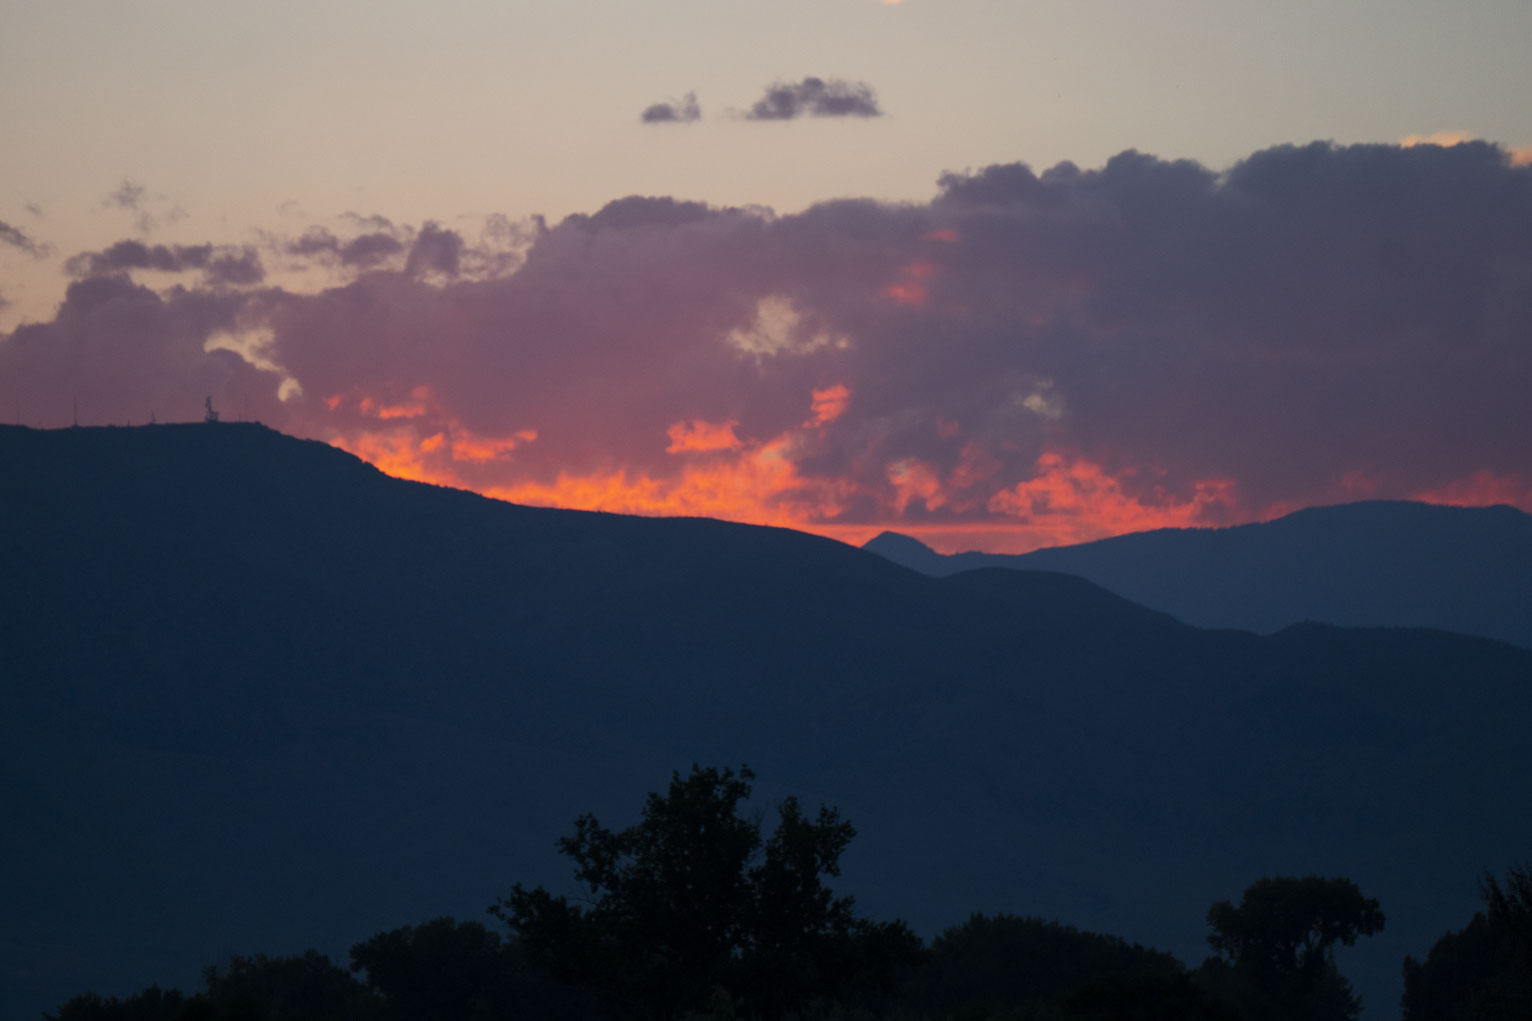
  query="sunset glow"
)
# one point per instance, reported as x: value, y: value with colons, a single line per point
x: 1013, y: 354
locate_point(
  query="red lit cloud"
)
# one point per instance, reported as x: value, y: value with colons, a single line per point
x: 1026, y: 359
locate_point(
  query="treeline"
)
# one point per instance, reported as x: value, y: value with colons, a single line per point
x: 694, y: 913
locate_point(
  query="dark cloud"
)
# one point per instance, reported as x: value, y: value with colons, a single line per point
x: 124, y: 353
x: 815, y: 97
x: 224, y: 265
x: 371, y: 223
x: 369, y: 250
x: 435, y: 250
x: 636, y: 211
x: 314, y: 241
x: 1147, y: 342
x: 18, y: 238
x: 673, y: 111
x: 364, y: 251
x: 242, y: 267
x: 127, y: 255
x: 430, y: 250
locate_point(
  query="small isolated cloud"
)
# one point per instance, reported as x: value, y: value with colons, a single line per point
x: 815, y: 97
x: 18, y: 238
x: 673, y: 111
x: 148, y: 210
x: 129, y: 195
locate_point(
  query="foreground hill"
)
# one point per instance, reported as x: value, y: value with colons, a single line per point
x: 1372, y: 564
x: 260, y: 696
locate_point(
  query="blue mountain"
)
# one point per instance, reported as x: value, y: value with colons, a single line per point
x: 259, y: 697
x: 1370, y: 564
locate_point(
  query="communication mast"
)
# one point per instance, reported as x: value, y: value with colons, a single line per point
x: 210, y: 416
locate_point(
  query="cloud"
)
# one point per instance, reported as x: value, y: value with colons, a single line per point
x: 150, y: 210
x: 1519, y: 156
x: 815, y: 97
x: 672, y: 111
x: 242, y: 267
x: 129, y: 195
x: 18, y: 238
x: 223, y: 264
x: 435, y: 251
x: 1030, y: 357
x: 368, y: 250
x: 125, y: 353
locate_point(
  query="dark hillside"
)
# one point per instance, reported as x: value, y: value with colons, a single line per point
x: 260, y: 696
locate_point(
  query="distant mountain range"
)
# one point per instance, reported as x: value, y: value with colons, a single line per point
x: 1371, y: 564
x: 259, y: 696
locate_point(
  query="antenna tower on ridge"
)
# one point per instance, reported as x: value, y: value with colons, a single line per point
x: 211, y: 416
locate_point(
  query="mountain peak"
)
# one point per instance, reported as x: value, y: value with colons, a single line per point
x: 1375, y: 563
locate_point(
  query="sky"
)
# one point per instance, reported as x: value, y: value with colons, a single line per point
x: 999, y: 275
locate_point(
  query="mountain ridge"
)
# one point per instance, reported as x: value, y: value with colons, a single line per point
x: 1376, y: 563
x: 263, y: 696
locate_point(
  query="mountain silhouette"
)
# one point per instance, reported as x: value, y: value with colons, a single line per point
x: 1371, y: 564
x: 260, y: 696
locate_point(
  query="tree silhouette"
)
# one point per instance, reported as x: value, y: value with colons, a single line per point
x: 690, y: 907
x: 1482, y: 972
x: 306, y: 986
x: 1277, y: 946
x: 1006, y: 966
x: 441, y: 970
x: 151, y: 1004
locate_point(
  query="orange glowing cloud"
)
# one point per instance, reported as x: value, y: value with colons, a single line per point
x: 829, y: 403
x: 911, y: 288
x: 417, y: 403
x: 1481, y: 489
x: 396, y: 452
x: 945, y: 234
x: 697, y: 436
x: 742, y: 479
x: 416, y: 406
x: 475, y: 448
x: 1520, y: 155
x: 760, y: 486
x: 1446, y: 139
x: 414, y: 438
x: 915, y: 481
x: 1075, y: 501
